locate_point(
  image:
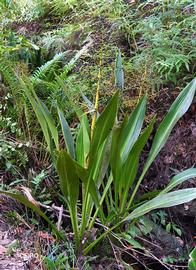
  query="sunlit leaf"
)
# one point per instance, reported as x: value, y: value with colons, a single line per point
x: 162, y: 201
x: 179, y: 179
x: 82, y: 144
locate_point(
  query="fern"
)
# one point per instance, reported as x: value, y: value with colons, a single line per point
x: 74, y: 59
x: 9, y: 76
x: 41, y: 72
x: 61, y: 7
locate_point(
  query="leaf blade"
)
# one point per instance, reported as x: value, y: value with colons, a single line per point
x: 177, y: 110
x: 82, y: 144
x: 22, y: 199
x: 69, y: 142
x: 163, y: 201
x: 179, y: 179
x: 132, y: 129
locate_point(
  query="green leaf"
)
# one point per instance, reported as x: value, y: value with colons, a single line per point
x: 115, y: 159
x: 102, y: 130
x: 50, y: 122
x: 69, y: 184
x: 132, y: 241
x: 41, y: 71
x: 132, y: 129
x: 69, y: 181
x: 22, y: 199
x: 130, y: 167
x: 162, y: 201
x: 192, y: 260
x: 102, y: 162
x: 35, y: 47
x: 168, y: 227
x: 69, y: 142
x: 178, y: 108
x: 44, y: 117
x: 39, y: 113
x: 179, y: 179
x: 119, y: 73
x: 100, y: 169
x: 89, y: 104
x: 82, y: 144
x: 178, y: 231
x: 103, y: 127
x: 94, y: 192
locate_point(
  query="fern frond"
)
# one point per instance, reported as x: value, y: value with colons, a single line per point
x: 74, y: 59
x: 61, y: 7
x: 41, y: 72
x: 9, y: 76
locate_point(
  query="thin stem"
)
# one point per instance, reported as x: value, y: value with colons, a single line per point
x: 96, y: 107
x: 88, y: 248
x: 110, y: 179
x: 106, y: 197
x: 74, y: 221
x: 124, y: 199
x: 111, y: 197
x: 136, y: 188
x: 84, y: 209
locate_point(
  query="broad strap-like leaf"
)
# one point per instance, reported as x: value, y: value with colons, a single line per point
x: 44, y: 117
x: 69, y: 142
x: 39, y: 113
x: 115, y: 158
x: 132, y: 129
x: 69, y: 184
x: 82, y: 144
x: 163, y: 201
x: 129, y: 170
x: 102, y: 162
x: 179, y: 179
x: 103, y: 127
x: 50, y: 121
x: 83, y: 175
x: 22, y: 199
x: 92, y: 189
x: 89, y: 104
x: 178, y: 108
x: 95, y: 178
x: 119, y: 72
x: 69, y: 180
x: 130, y: 167
x: 101, y: 132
